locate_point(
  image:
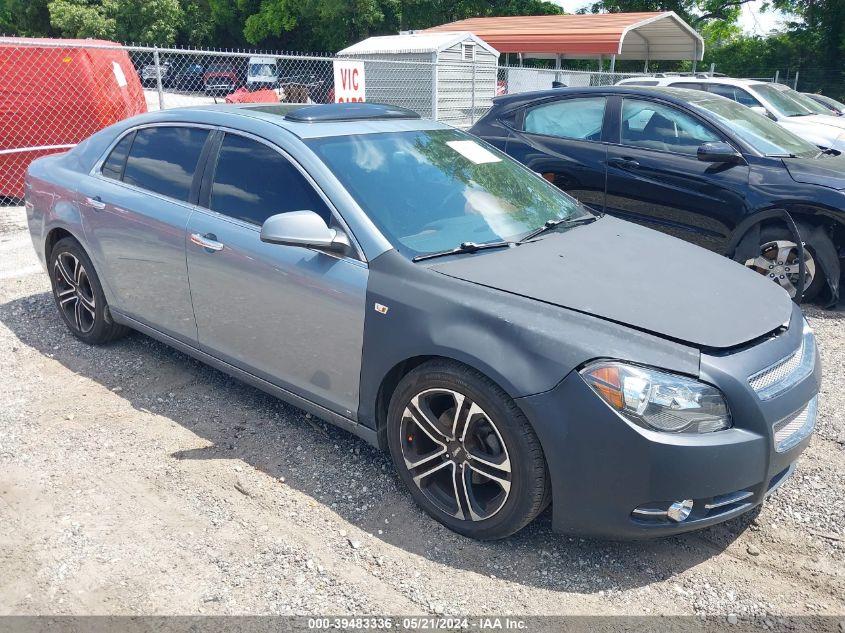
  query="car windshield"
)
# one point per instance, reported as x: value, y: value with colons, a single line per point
x: 813, y: 106
x: 432, y: 190
x: 781, y: 101
x: 262, y: 70
x: 761, y: 133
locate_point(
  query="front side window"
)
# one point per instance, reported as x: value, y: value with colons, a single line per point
x: 164, y: 159
x: 253, y: 181
x: 431, y: 190
x: 657, y: 126
x: 569, y: 118
x: 113, y: 166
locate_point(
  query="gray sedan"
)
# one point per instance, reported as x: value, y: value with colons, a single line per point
x: 413, y: 285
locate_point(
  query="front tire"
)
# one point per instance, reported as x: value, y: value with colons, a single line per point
x: 466, y: 452
x: 79, y: 296
x: 777, y: 259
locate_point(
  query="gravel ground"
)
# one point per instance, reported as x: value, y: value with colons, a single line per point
x: 134, y: 480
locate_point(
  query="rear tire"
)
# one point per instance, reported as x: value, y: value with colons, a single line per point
x: 481, y: 472
x: 79, y: 296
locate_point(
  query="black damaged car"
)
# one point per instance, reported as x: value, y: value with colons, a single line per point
x: 691, y: 164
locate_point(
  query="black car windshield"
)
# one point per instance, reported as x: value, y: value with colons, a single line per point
x: 431, y: 190
x: 761, y: 133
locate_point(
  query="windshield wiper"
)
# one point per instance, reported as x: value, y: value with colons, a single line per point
x: 464, y: 247
x: 550, y: 224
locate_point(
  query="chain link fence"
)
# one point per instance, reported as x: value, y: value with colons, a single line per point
x: 55, y: 93
x: 513, y: 79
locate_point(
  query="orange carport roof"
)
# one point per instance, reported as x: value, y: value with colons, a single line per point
x: 652, y: 35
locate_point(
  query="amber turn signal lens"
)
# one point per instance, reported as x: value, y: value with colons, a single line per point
x: 606, y: 381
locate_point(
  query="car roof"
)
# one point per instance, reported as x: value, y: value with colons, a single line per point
x: 310, y: 121
x: 680, y: 96
x: 698, y: 79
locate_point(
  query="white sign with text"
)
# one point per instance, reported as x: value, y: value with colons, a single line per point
x: 349, y: 82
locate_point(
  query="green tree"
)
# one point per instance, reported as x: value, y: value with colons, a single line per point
x: 25, y: 18
x: 328, y: 25
x: 80, y: 18
x: 147, y: 22
x: 694, y: 12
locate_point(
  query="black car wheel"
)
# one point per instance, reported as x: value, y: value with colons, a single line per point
x: 778, y: 260
x: 466, y: 452
x: 79, y: 296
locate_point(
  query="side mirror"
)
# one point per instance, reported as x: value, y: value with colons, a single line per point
x: 763, y: 111
x: 719, y: 153
x: 303, y: 228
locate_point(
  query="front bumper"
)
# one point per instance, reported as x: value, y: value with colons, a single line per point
x: 602, y: 467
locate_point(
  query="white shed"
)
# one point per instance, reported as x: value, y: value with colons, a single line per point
x: 449, y: 77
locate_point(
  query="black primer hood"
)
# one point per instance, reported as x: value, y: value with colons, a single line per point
x: 623, y: 272
x: 827, y: 171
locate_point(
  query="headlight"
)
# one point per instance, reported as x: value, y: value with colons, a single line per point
x: 657, y: 400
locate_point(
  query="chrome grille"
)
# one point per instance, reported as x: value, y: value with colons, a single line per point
x: 788, y: 371
x: 777, y: 372
x: 794, y: 428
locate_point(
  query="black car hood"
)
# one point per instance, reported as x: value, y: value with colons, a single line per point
x: 827, y: 171
x: 625, y: 273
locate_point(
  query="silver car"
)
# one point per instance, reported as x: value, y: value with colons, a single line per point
x: 415, y: 286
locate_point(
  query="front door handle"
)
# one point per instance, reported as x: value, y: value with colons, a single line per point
x: 208, y: 241
x: 624, y: 163
x: 95, y: 203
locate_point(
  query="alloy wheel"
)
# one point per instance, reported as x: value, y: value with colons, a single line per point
x: 74, y: 292
x: 778, y: 260
x: 455, y: 454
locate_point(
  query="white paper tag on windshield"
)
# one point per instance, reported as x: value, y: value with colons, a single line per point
x: 118, y: 74
x: 474, y: 152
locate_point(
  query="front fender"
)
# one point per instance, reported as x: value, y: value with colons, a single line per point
x: 524, y: 346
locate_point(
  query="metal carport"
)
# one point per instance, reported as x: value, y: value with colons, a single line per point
x: 646, y: 36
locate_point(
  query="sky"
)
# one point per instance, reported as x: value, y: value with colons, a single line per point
x: 753, y: 21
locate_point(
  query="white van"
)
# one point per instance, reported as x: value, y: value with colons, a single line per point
x: 262, y: 73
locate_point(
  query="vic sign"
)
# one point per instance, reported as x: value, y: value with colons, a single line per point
x: 348, y: 82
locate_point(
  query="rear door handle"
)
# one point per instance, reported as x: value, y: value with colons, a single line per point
x: 209, y: 241
x: 95, y: 203
x: 624, y: 163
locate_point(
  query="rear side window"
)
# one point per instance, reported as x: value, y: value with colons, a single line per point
x: 253, y: 181
x: 164, y: 159
x: 113, y: 167
x: 570, y: 118
x: 737, y: 94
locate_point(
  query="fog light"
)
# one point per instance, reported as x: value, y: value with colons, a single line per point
x: 679, y: 510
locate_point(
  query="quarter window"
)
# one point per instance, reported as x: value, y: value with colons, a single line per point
x: 570, y: 118
x: 164, y: 159
x: 253, y: 181
x: 113, y: 167
x: 656, y: 126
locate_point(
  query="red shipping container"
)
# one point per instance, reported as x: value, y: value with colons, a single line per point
x: 56, y: 93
